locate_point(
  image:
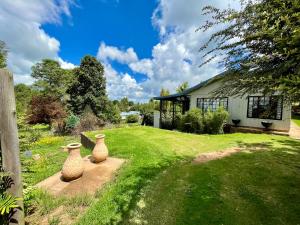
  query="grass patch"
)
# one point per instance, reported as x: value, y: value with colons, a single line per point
x: 296, y: 119
x: 258, y: 188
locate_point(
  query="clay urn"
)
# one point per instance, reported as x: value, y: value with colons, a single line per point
x: 73, y: 166
x: 100, y: 151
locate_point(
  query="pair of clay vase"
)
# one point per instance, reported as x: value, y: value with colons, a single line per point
x: 73, y: 166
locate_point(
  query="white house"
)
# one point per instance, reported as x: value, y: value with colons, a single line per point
x: 251, y: 109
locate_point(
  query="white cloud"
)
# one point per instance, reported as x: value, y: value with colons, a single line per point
x: 106, y: 53
x: 27, y: 42
x: 121, y: 85
x: 175, y: 59
x: 65, y: 64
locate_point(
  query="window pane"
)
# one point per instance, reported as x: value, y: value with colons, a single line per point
x: 212, y: 103
x: 265, y: 107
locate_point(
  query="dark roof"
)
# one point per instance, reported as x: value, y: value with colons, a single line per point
x: 169, y: 96
x: 191, y: 89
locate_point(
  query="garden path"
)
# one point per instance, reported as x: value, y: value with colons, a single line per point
x: 205, y: 157
x: 294, y: 131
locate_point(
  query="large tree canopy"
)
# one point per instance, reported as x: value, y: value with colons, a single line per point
x: 89, y: 87
x: 3, y: 53
x: 260, y: 45
x: 51, y: 79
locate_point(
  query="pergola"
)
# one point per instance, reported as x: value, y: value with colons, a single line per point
x: 170, y: 106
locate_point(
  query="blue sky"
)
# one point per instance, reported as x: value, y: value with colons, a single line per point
x: 144, y: 45
x: 117, y: 23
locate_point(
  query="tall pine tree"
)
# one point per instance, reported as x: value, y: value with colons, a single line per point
x: 89, y: 87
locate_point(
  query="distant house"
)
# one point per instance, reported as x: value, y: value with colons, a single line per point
x: 125, y: 114
x: 250, y: 110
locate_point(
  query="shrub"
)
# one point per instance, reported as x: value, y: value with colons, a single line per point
x: 214, y: 121
x: 72, y: 121
x: 59, y: 126
x: 28, y: 136
x: 148, y: 119
x: 192, y: 122
x: 112, y: 113
x: 8, y: 202
x: 45, y: 109
x: 88, y: 121
x: 132, y: 119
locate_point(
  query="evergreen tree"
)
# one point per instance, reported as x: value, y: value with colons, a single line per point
x: 88, y: 88
x: 124, y: 104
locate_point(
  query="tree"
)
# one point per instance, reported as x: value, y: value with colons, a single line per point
x: 166, y: 105
x: 45, y: 109
x: 24, y: 95
x: 259, y: 47
x: 182, y: 87
x: 112, y: 113
x: 124, y: 104
x: 51, y: 79
x: 88, y: 88
x: 164, y: 92
x: 3, y: 54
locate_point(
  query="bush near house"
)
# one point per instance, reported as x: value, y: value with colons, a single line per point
x: 195, y: 121
x: 192, y: 122
x: 148, y: 119
x: 214, y: 121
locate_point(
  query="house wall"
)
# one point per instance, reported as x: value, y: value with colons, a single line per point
x: 237, y: 108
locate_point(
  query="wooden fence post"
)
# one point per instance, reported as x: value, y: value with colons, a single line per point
x: 9, y: 138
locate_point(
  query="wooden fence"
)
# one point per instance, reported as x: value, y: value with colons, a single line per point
x: 10, y: 154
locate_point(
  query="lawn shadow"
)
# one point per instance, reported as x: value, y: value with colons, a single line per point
x: 255, y: 146
x: 287, y: 146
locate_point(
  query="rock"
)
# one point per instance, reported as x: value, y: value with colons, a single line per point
x: 36, y: 157
x: 64, y: 148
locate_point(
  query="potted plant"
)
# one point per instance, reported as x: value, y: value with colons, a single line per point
x: 236, y: 122
x: 266, y: 124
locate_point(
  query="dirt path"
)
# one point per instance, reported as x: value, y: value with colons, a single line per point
x: 205, y: 157
x: 294, y: 131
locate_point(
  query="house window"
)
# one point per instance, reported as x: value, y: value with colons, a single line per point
x: 265, y: 107
x: 212, y: 103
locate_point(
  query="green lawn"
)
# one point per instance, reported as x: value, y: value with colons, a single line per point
x: 296, y: 119
x: 159, y: 185
x: 246, y: 188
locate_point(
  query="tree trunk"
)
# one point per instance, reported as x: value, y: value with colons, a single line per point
x: 9, y: 138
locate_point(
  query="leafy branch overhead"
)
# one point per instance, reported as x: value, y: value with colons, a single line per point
x: 3, y: 54
x: 259, y: 45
